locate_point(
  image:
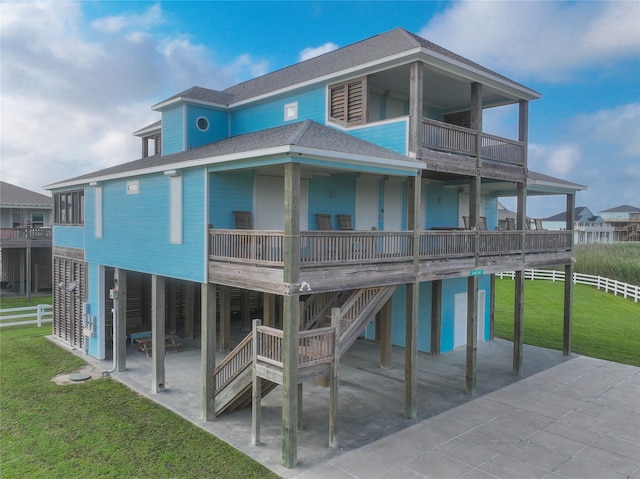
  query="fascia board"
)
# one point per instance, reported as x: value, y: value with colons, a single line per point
x: 172, y: 101
x: 285, y: 150
x: 148, y: 130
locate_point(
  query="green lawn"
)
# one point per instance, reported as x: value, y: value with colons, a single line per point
x: 95, y: 429
x: 604, y: 326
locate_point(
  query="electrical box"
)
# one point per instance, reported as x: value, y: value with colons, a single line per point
x: 113, y: 293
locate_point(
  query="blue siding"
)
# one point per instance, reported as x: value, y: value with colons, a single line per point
x: 136, y: 228
x: 391, y: 135
x: 218, y: 126
x: 491, y: 211
x: 173, y: 130
x: 269, y: 114
x: 69, y: 236
x: 442, y: 206
x: 229, y: 192
x: 335, y: 195
x: 450, y: 288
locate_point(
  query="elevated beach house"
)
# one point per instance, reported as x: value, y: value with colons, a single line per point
x: 353, y: 195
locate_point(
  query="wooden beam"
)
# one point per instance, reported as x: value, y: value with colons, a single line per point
x: 472, y: 335
x: 157, y: 332
x: 436, y: 316
x: 208, y: 350
x: 120, y: 305
x: 411, y: 352
x: 225, y: 318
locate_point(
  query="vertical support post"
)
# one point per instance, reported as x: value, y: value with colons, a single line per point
x: 416, y: 80
x: 245, y: 309
x: 518, y: 324
x: 568, y: 281
x: 476, y: 120
x: 291, y: 315
x: 157, y: 332
x: 189, y: 310
x: 173, y: 307
x: 269, y: 310
x: 29, y: 231
x: 225, y: 318
x: 208, y: 349
x: 472, y: 335
x: 523, y: 129
x: 411, y: 352
x: 256, y: 398
x: 120, y: 305
x: 492, y: 308
x: 436, y: 316
x: 384, y: 317
x: 334, y: 379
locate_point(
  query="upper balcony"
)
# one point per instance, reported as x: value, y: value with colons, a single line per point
x: 23, y: 237
x: 333, y: 260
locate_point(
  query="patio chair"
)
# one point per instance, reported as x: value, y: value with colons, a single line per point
x: 243, y: 220
x: 345, y: 222
x: 324, y: 222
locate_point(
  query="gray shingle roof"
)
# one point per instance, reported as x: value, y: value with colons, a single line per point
x: 306, y: 134
x: 11, y: 195
x: 622, y: 209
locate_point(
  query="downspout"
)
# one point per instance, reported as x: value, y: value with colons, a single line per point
x: 115, y: 330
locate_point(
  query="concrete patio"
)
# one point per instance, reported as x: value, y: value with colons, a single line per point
x: 575, y: 417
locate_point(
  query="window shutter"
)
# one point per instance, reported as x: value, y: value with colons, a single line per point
x: 348, y: 101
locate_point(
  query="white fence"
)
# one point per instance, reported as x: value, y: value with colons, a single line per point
x: 39, y: 314
x: 606, y: 284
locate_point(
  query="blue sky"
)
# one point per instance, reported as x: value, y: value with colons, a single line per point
x: 79, y: 77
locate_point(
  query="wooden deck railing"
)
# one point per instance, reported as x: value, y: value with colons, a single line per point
x: 330, y: 248
x: 22, y: 233
x: 315, y: 346
x: 234, y: 363
x: 456, y: 139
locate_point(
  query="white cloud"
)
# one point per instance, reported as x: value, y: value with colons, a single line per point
x: 549, y: 40
x: 69, y: 103
x: 312, y: 52
x: 555, y: 160
x: 617, y: 128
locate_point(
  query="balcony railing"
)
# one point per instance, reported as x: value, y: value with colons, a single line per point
x: 332, y: 248
x: 456, y: 139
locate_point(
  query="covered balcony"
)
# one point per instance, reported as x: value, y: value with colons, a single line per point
x: 331, y: 260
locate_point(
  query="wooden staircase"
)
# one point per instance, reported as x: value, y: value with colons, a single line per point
x: 355, y: 310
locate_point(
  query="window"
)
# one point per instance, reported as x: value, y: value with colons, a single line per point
x: 69, y: 208
x: 348, y: 101
x: 37, y: 220
x: 133, y: 187
x: 202, y: 123
x: 291, y: 111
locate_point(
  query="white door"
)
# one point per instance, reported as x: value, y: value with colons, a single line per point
x: 460, y: 318
x: 392, y: 213
x: 269, y: 203
x: 366, y: 204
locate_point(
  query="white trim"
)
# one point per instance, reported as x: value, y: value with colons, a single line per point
x: 175, y: 209
x: 291, y: 111
x: 198, y: 121
x: 133, y: 187
x: 98, y: 211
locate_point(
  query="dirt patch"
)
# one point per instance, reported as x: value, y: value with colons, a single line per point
x: 92, y: 373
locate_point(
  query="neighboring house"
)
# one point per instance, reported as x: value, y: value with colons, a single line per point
x: 587, y: 228
x: 625, y: 221
x: 359, y: 182
x: 25, y: 239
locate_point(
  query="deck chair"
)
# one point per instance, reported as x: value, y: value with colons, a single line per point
x: 345, y: 222
x: 538, y: 224
x: 324, y: 222
x: 243, y: 220
x: 511, y: 223
x: 466, y: 222
x: 482, y: 224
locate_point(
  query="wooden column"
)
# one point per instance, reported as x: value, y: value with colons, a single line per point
x: 476, y: 119
x: 518, y: 317
x: 472, y: 334
x: 269, y: 310
x: 568, y: 280
x: 436, y: 316
x: 189, y: 294
x: 416, y: 80
x: 411, y: 352
x: 120, y: 305
x: 492, y: 307
x: 334, y: 380
x: 291, y: 315
x: 173, y: 313
x: 523, y: 127
x: 207, y: 349
x: 225, y: 318
x: 256, y: 394
x: 384, y: 320
x: 157, y: 332
x: 245, y: 309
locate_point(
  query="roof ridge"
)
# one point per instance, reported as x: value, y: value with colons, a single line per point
x: 303, y: 128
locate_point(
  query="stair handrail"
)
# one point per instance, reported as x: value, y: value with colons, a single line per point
x: 230, y: 368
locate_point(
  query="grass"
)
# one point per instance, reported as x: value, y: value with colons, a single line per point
x: 95, y: 429
x: 604, y: 326
x: 620, y: 261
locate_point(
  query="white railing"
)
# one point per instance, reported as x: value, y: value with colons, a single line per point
x: 42, y: 313
x: 606, y: 284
